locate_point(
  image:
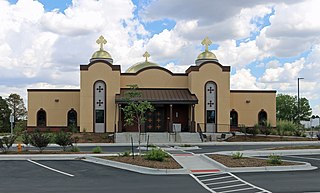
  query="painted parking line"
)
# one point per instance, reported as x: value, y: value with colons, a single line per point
x: 49, y: 168
x: 225, y: 183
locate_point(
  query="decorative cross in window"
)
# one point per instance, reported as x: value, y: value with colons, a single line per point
x: 158, y: 126
x: 99, y: 89
x: 99, y: 103
x: 210, y: 89
x: 210, y: 103
x: 149, y: 127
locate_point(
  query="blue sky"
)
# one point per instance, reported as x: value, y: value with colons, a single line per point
x: 268, y: 44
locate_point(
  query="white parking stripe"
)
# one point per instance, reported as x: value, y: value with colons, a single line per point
x: 249, y: 183
x: 215, y: 178
x: 237, y: 190
x: 202, y: 184
x: 224, y: 182
x: 231, y: 186
x: 206, y: 175
x: 58, y: 171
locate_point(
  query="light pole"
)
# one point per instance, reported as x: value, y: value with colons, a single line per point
x: 299, y: 101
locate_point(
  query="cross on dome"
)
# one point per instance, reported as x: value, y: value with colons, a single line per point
x: 146, y: 55
x: 206, y: 42
x: 101, y: 40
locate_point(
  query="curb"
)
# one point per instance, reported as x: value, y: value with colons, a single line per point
x: 250, y: 153
x: 49, y: 156
x: 135, y: 168
x: 304, y: 167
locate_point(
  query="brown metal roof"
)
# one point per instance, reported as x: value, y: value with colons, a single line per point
x: 161, y: 96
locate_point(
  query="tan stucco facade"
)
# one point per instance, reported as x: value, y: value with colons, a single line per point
x: 86, y: 102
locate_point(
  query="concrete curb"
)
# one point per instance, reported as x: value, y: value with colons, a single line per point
x: 50, y: 156
x: 135, y: 168
x: 250, y: 153
x: 303, y: 167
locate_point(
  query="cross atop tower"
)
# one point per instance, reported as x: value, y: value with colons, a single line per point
x: 146, y: 55
x: 101, y: 41
x: 206, y: 42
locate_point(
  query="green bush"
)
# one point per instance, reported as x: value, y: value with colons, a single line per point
x: 6, y: 142
x: 63, y: 139
x: 75, y: 149
x: 285, y: 127
x: 253, y: 130
x: 266, y: 129
x: 124, y: 154
x: 97, y: 150
x: 237, y: 155
x: 40, y: 140
x: 274, y: 159
x: 156, y: 155
x: 26, y: 138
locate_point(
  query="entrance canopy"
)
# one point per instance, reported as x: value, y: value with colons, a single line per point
x: 160, y: 96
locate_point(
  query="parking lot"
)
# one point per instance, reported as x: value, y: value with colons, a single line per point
x: 25, y: 176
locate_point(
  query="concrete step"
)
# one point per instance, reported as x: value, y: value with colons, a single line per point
x: 125, y: 137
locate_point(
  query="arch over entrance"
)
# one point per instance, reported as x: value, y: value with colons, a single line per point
x: 72, y: 118
x: 233, y: 118
x: 262, y: 118
x: 211, y: 106
x: 41, y: 118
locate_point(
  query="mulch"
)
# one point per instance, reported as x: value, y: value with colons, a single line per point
x: 168, y: 163
x: 245, y: 161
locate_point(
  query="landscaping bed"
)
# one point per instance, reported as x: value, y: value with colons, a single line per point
x: 243, y: 138
x: 167, y: 163
x: 229, y: 161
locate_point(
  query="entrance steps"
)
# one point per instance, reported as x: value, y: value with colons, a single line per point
x: 182, y: 137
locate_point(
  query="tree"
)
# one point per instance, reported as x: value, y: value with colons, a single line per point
x: 287, y: 108
x: 4, y: 116
x: 16, y: 104
x: 135, y: 110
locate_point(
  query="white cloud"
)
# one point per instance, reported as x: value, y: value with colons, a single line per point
x: 244, y: 80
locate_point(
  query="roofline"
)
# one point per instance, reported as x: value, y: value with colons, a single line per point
x: 196, y: 68
x: 154, y: 67
x: 85, y: 67
x: 253, y: 91
x: 53, y: 90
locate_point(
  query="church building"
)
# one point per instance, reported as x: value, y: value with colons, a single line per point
x: 199, y: 99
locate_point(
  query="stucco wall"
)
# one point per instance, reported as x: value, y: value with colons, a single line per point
x: 198, y: 79
x: 55, y: 103
x: 248, y: 104
x: 95, y: 72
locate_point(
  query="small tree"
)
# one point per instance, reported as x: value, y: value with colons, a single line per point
x: 134, y: 111
x: 63, y: 139
x: 26, y: 138
x: 40, y: 140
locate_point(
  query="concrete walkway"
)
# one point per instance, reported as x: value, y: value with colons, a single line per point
x: 193, y: 162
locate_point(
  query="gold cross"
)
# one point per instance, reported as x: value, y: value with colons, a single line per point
x: 146, y: 55
x: 206, y: 42
x: 101, y: 41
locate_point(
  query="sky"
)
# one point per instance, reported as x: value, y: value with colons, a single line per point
x: 267, y: 43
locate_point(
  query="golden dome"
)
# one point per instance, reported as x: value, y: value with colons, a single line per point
x: 101, y: 53
x: 206, y: 55
x: 141, y: 65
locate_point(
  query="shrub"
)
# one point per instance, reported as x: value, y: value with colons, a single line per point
x: 156, y: 155
x: 237, y: 155
x: 40, y: 140
x: 26, y: 138
x: 274, y: 159
x: 125, y: 154
x: 6, y: 142
x: 63, y: 139
x: 254, y: 130
x: 75, y: 149
x: 243, y: 129
x: 97, y: 150
x: 284, y: 127
x: 266, y: 129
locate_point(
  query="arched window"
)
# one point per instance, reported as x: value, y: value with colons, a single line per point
x: 262, y: 118
x: 72, y: 118
x: 233, y: 118
x: 211, y: 106
x: 41, y: 118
